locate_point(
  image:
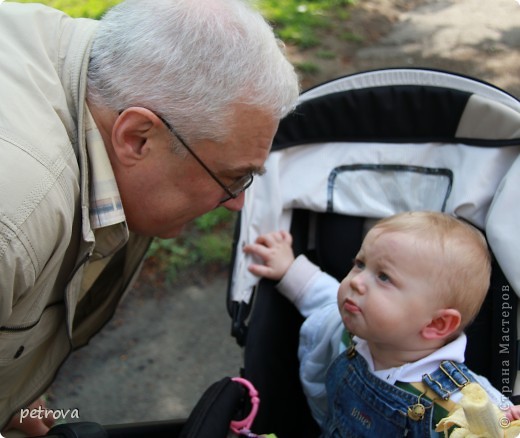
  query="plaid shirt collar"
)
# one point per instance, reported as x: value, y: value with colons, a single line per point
x: 105, y: 202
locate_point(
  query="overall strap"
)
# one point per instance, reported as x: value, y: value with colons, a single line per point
x: 449, y: 378
x: 438, y: 387
x: 441, y: 408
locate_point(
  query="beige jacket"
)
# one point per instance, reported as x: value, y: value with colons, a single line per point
x: 45, y: 234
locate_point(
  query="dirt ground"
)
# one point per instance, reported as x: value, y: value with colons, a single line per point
x: 166, y: 344
x: 471, y: 37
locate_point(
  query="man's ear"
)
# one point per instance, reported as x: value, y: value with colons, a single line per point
x: 131, y: 134
x: 444, y: 323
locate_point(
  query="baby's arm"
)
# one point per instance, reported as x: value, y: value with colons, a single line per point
x: 275, y: 250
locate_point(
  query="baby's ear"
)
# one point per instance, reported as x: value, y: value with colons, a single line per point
x: 444, y: 324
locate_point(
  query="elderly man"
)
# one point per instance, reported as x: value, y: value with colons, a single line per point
x: 112, y: 132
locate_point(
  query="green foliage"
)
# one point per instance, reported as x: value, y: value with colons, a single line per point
x: 296, y: 21
x: 213, y: 248
x: 307, y: 67
x: 205, y: 244
x: 213, y: 219
x: 78, y: 8
x: 351, y: 37
x: 326, y: 54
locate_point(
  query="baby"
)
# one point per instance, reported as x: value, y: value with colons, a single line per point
x: 375, y: 367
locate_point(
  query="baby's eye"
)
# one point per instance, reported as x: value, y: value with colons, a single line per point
x: 383, y: 277
x: 358, y: 264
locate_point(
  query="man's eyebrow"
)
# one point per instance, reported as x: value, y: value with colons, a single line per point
x: 259, y: 170
x: 255, y: 170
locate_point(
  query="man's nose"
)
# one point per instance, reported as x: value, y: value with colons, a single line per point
x: 235, y: 204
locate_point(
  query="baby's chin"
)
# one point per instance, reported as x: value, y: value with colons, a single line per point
x: 349, y: 325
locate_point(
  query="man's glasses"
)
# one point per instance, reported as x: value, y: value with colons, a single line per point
x: 232, y: 191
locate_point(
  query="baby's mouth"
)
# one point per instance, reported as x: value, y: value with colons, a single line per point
x: 351, y: 307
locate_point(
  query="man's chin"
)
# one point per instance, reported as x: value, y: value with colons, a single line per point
x: 165, y: 234
x: 171, y: 234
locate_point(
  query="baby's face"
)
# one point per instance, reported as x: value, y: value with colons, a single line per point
x: 390, y: 294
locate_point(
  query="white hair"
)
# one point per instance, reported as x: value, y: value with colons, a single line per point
x: 190, y: 61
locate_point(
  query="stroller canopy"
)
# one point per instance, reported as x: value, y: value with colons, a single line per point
x: 377, y: 143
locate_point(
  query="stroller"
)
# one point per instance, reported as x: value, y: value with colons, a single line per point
x: 361, y: 148
x: 357, y: 149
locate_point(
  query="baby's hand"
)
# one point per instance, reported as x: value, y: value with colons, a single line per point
x: 513, y: 413
x: 276, y: 252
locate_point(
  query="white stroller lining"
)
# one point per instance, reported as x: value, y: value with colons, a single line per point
x: 376, y: 180
x: 341, y: 177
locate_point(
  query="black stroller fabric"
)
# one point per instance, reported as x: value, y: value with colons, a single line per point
x: 218, y: 406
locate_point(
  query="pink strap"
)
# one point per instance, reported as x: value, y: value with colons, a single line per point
x: 245, y: 424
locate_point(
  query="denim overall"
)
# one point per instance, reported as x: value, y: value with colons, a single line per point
x: 362, y: 405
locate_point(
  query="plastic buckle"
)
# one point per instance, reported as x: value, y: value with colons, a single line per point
x: 238, y: 426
